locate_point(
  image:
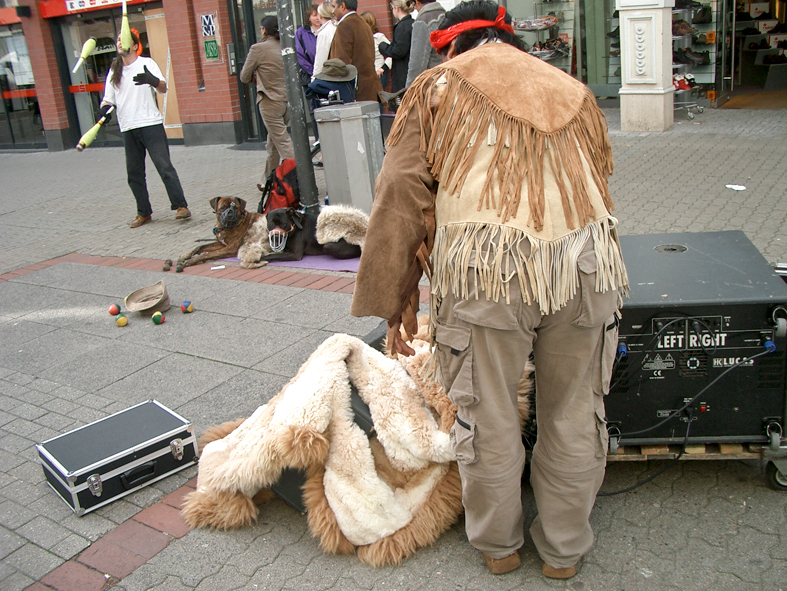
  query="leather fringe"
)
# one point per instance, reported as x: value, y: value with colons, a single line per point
x: 456, y: 117
x: 488, y: 257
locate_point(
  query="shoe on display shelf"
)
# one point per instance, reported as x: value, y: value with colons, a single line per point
x: 703, y: 16
x: 537, y: 23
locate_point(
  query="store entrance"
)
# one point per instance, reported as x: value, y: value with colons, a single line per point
x: 245, y: 16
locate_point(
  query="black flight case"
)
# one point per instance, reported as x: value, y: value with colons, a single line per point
x: 94, y: 465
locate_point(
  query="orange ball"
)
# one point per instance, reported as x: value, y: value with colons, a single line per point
x: 114, y: 309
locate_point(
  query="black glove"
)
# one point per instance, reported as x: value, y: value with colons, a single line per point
x: 146, y: 78
x: 103, y: 112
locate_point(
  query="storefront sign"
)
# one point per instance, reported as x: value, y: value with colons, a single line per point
x: 211, y: 49
x: 55, y: 8
x: 208, y: 25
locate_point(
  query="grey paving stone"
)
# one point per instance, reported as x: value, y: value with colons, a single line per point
x: 16, y: 582
x: 100, y: 368
x: 70, y: 547
x: 14, y: 515
x: 33, y: 561
x: 237, y: 397
x: 287, y: 362
x: 173, y: 381
x: 246, y: 299
x: 43, y: 532
x: 201, y: 335
x: 308, y: 308
x: 58, y: 346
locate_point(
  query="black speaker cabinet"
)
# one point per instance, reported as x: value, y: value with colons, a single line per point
x: 701, y: 306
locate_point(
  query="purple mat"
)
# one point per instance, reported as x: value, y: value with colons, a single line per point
x: 316, y: 262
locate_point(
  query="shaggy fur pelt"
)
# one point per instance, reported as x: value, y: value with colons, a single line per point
x: 342, y: 221
x: 381, y: 497
x: 255, y: 245
x: 367, y: 490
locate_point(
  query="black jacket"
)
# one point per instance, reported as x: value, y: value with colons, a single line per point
x: 399, y: 52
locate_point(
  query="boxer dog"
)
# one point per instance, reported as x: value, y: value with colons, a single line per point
x: 238, y: 233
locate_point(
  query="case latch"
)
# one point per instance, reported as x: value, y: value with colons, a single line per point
x: 94, y: 485
x: 176, y: 447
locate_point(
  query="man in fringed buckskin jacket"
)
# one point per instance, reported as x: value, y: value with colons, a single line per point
x: 495, y: 184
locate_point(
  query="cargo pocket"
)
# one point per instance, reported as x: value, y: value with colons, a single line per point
x: 594, y: 307
x: 463, y: 441
x: 601, y: 426
x: 602, y: 374
x: 455, y: 358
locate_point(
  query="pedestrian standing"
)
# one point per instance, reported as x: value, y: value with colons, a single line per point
x: 353, y: 43
x: 399, y: 48
x: 422, y: 55
x: 382, y: 64
x: 265, y: 65
x: 306, y: 43
x: 324, y: 36
x: 498, y: 188
x: 130, y: 88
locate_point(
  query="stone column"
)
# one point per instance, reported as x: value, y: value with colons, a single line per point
x: 646, y: 94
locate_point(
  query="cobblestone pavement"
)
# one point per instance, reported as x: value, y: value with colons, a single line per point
x: 702, y: 525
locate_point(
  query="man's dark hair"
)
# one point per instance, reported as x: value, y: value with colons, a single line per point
x: 477, y: 10
x: 271, y: 26
x: 348, y: 4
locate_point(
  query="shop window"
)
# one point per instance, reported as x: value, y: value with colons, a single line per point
x: 20, y: 116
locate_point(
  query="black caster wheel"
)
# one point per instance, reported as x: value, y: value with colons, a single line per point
x: 776, y: 479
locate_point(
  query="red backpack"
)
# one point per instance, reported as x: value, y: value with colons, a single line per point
x: 281, y: 188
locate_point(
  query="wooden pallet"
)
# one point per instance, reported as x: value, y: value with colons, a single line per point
x: 709, y: 451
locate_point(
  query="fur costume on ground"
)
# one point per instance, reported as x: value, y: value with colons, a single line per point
x: 342, y: 221
x: 382, y: 497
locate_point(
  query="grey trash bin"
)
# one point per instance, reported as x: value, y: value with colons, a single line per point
x: 352, y: 151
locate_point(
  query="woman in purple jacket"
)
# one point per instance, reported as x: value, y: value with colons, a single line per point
x: 306, y: 42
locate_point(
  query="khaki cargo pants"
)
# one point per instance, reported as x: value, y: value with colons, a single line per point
x: 482, y: 348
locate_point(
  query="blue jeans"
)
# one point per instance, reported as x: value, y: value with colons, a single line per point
x: 153, y: 139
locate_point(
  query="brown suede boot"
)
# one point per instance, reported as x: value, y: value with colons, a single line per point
x: 558, y: 573
x: 499, y: 566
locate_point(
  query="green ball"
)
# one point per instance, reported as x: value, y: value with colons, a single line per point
x: 158, y: 318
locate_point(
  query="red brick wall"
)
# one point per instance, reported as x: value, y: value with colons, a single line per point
x: 48, y: 87
x: 219, y: 102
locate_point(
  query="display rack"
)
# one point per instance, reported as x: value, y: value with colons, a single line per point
x: 548, y: 32
x: 692, y: 67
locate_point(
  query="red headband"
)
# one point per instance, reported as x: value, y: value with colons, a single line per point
x: 443, y: 37
x: 139, y: 45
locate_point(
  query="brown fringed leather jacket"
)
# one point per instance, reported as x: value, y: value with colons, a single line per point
x: 496, y: 170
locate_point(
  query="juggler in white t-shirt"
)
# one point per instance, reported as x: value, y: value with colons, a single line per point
x: 135, y: 106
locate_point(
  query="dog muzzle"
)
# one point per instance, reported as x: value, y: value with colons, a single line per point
x: 229, y: 218
x: 277, y: 239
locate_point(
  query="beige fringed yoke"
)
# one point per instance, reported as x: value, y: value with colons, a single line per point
x: 496, y: 170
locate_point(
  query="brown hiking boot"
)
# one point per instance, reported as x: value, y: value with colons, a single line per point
x: 183, y: 213
x: 500, y: 566
x: 558, y: 573
x: 139, y: 220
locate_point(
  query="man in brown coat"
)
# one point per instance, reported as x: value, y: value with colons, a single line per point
x: 353, y: 43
